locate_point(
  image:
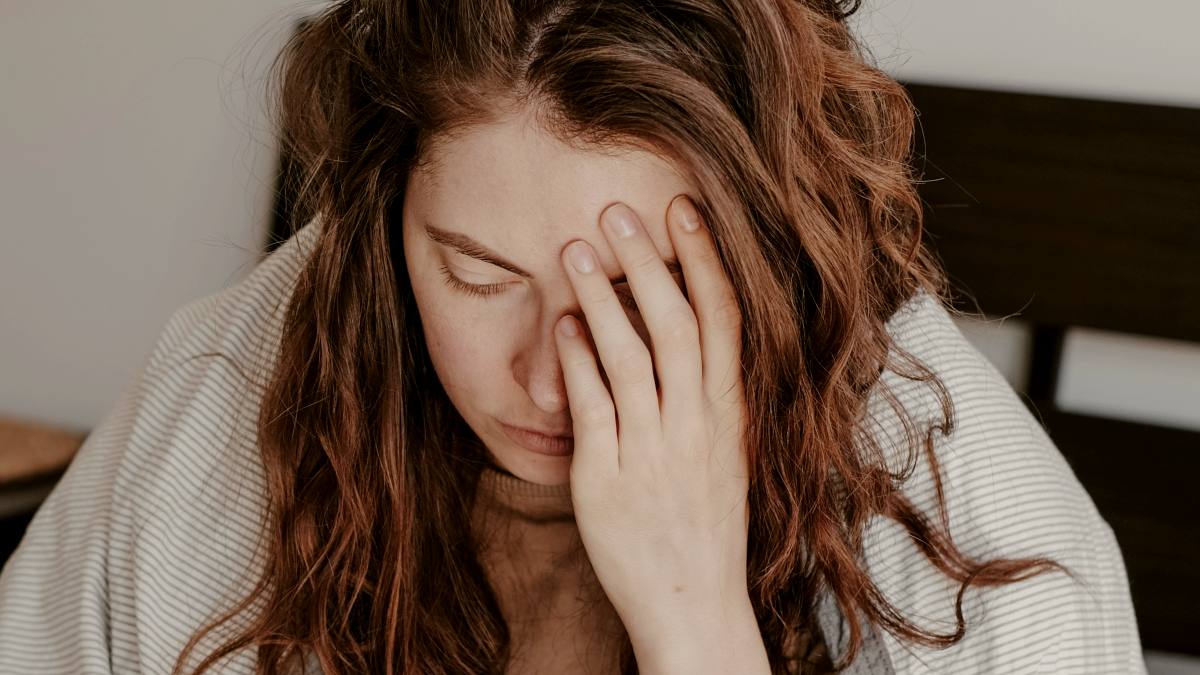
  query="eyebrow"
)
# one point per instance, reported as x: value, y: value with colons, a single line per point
x: 469, y: 247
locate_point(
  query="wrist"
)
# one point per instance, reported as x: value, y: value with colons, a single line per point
x: 721, y: 639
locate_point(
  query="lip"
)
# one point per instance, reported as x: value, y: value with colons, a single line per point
x: 556, y: 446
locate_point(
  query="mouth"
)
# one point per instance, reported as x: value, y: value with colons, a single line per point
x: 540, y: 443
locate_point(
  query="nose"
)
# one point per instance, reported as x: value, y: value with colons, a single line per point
x: 537, y: 370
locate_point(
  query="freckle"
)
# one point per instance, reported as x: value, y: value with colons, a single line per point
x: 679, y: 589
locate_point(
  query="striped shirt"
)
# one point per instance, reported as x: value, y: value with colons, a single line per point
x: 154, y: 527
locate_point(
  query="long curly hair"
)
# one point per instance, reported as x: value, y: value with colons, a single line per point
x: 802, y: 153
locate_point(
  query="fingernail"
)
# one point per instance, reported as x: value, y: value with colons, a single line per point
x: 620, y: 220
x: 581, y: 257
x: 689, y: 219
x: 568, y: 326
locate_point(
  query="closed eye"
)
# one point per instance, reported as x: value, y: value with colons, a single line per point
x: 473, y: 289
x: 483, y: 290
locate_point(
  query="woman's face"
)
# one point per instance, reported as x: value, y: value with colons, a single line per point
x: 511, y: 192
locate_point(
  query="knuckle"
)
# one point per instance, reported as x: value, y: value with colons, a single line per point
x: 632, y: 366
x: 726, y: 314
x: 680, y: 325
x: 603, y: 300
x: 580, y: 361
x: 644, y: 260
x: 594, y: 414
x: 597, y: 297
x: 707, y: 257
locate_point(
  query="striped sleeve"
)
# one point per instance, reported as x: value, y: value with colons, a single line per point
x: 54, y: 592
x: 1009, y: 493
x: 155, y: 527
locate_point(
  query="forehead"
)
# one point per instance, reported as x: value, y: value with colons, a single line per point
x: 516, y: 188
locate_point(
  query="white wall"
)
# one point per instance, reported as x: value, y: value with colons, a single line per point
x: 135, y: 166
x: 1124, y: 51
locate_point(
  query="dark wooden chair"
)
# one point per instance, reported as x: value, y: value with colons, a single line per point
x: 33, y: 456
x: 1073, y: 212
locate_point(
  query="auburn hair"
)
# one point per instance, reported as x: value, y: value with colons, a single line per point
x: 802, y: 153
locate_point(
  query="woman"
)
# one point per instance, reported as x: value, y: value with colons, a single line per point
x: 764, y: 446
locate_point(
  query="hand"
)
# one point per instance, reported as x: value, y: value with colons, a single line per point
x: 659, y: 479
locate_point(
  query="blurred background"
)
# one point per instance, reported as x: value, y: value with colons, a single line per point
x: 1062, y: 148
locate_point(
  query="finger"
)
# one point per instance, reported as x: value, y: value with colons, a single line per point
x: 623, y: 355
x: 593, y: 419
x: 713, y: 299
x: 669, y: 319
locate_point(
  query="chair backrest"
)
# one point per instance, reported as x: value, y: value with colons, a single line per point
x: 1084, y: 213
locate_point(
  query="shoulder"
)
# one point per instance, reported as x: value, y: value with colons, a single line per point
x: 243, y: 320
x: 994, y: 445
x: 189, y: 496
x: 1009, y: 493
x: 153, y: 528
x: 202, y: 382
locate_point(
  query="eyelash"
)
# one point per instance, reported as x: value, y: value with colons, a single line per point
x: 473, y: 289
x: 489, y: 289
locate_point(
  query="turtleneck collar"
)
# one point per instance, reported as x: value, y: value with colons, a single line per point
x: 521, y: 498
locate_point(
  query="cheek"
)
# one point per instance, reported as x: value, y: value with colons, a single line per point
x: 458, y: 353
